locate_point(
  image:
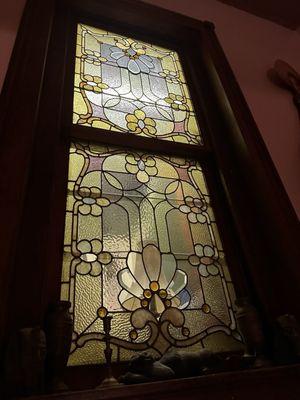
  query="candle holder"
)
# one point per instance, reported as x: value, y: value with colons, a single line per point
x: 109, y: 380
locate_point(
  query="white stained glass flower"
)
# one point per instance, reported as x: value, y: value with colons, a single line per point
x: 143, y: 166
x: 206, y: 260
x: 132, y: 57
x: 92, y: 202
x: 194, y: 208
x: 91, y: 257
x: 152, y: 281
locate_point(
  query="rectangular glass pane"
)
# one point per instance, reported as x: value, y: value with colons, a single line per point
x: 141, y: 244
x: 125, y: 85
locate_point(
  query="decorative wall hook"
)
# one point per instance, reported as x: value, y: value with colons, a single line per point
x: 284, y: 76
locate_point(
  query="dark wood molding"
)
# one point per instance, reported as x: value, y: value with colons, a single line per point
x: 264, y: 217
x: 270, y: 383
x: 284, y: 13
x: 34, y: 149
x: 19, y: 105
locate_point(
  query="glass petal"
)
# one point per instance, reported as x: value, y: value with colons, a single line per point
x: 203, y: 270
x: 128, y: 282
x: 133, y: 67
x: 192, y: 218
x: 156, y: 306
x: 168, y: 269
x: 131, y: 304
x: 133, y: 169
x: 194, y: 260
x: 140, y: 114
x: 83, y: 268
x: 116, y: 55
x: 208, y: 251
x: 151, y: 171
x: 96, y: 269
x: 96, y: 246
x: 152, y: 262
x: 149, y: 121
x: 84, y: 246
x: 84, y: 209
x: 178, y: 283
x: 185, y: 209
x: 136, y: 267
x: 184, y: 298
x: 132, y: 126
x: 199, y: 250
x: 142, y: 176
x: 151, y: 130
x: 201, y: 218
x: 212, y: 269
x: 105, y: 258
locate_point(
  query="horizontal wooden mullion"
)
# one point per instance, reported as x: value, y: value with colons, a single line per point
x: 126, y: 139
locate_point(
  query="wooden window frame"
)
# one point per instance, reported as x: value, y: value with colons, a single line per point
x: 36, y: 130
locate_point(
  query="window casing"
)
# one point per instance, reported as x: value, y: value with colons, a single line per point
x: 35, y: 228
x: 110, y: 195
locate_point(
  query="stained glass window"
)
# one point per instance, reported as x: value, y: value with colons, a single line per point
x: 126, y: 85
x: 141, y: 244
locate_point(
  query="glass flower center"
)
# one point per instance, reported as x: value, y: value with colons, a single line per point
x: 132, y: 54
x: 92, y: 83
x: 154, y: 286
x: 177, y: 102
x: 89, y: 257
x: 141, y: 165
x: 206, y: 260
x: 198, y: 203
x: 141, y: 124
x: 89, y: 200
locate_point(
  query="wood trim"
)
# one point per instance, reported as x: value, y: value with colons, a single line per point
x: 127, y: 140
x: 265, y: 220
x: 19, y: 109
x: 276, y: 383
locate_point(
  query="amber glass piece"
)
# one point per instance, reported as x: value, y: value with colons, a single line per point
x: 126, y: 85
x: 102, y: 312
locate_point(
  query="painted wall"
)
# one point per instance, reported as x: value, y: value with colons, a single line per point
x: 10, y: 16
x: 252, y: 45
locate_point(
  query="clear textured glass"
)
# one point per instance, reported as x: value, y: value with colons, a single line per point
x: 125, y: 85
x: 141, y: 241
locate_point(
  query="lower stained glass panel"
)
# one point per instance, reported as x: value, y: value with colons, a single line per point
x: 141, y: 244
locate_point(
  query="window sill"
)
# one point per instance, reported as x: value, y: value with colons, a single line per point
x: 267, y: 383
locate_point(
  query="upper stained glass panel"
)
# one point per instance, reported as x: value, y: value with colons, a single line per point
x: 126, y: 85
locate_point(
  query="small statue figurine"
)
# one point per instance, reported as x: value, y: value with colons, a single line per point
x: 144, y: 368
x: 24, y: 362
x: 251, y: 329
x: 186, y: 363
x: 173, y: 364
x: 58, y: 329
x: 287, y: 339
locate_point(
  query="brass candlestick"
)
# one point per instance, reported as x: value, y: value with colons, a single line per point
x: 110, y: 380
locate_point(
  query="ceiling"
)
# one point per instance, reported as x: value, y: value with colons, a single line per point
x: 283, y: 12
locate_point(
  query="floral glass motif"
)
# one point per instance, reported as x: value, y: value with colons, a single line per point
x: 126, y: 85
x: 141, y: 244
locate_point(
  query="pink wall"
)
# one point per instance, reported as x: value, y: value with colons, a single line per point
x: 10, y: 16
x: 252, y: 45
